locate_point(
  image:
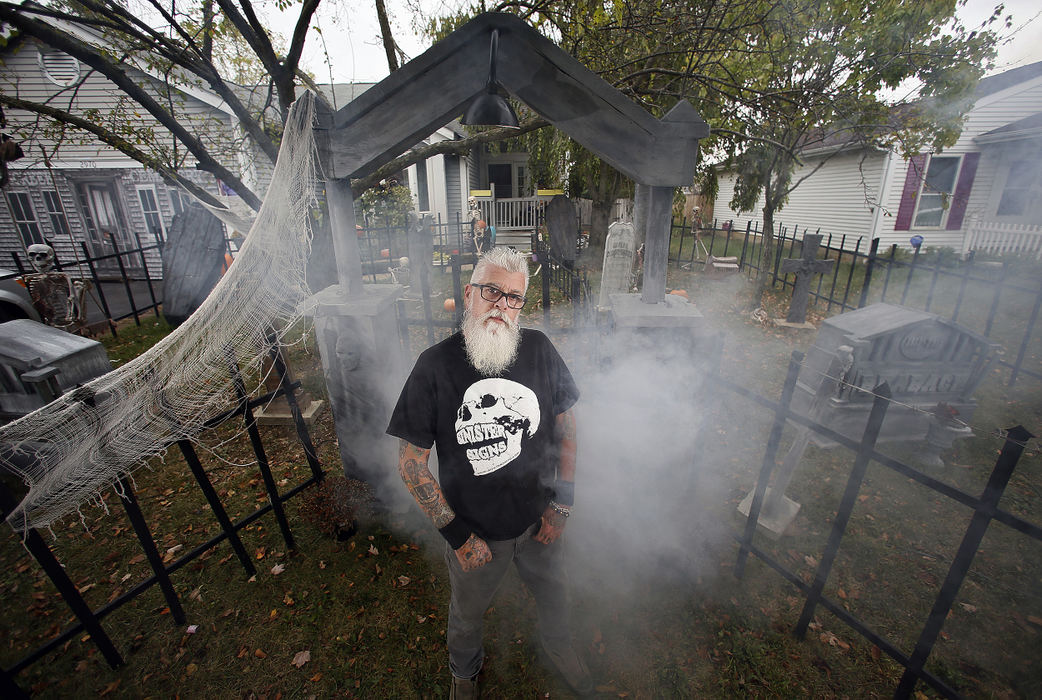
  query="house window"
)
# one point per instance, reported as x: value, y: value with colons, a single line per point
x: 150, y: 207
x: 1022, y: 187
x: 55, y: 210
x: 59, y: 67
x: 176, y: 201
x: 24, y: 218
x: 936, y: 194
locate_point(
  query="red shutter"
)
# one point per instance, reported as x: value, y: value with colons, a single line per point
x: 913, y: 179
x: 962, y: 191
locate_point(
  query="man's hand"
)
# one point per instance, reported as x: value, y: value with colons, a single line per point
x: 474, y: 553
x: 551, y: 526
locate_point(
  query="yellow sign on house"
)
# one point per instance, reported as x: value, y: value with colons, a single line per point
x: 481, y: 193
x: 548, y: 193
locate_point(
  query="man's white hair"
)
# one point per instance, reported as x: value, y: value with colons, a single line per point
x: 503, y: 257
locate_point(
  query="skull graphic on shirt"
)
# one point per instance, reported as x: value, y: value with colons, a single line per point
x: 495, y: 415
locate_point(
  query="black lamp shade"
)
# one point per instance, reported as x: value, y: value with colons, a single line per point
x: 490, y: 109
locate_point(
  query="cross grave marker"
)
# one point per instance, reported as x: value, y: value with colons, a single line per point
x: 804, y: 267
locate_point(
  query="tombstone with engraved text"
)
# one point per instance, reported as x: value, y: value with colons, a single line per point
x: 933, y: 367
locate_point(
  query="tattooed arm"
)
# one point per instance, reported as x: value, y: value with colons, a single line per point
x: 412, y: 465
x: 552, y: 522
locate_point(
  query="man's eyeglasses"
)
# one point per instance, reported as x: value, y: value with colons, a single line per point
x: 493, y: 294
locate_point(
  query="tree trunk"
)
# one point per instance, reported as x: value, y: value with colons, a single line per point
x: 763, y: 279
x: 602, y: 194
x: 385, y: 35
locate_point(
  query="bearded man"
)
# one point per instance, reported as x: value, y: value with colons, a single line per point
x: 496, y: 400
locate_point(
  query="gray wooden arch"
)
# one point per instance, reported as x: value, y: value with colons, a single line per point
x: 432, y: 89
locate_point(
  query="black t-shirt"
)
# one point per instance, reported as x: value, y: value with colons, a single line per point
x: 495, y: 436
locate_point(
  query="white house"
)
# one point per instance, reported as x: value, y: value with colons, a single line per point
x: 983, y: 193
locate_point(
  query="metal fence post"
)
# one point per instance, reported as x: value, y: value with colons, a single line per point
x: 1027, y: 338
x: 870, y: 265
x: 769, y: 456
x: 1016, y: 439
x: 839, y: 525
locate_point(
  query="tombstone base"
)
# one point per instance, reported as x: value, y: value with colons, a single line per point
x: 775, y: 523
x: 805, y: 326
x: 357, y: 338
x: 277, y: 412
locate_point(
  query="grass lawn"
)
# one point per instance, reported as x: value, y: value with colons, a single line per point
x: 658, y: 611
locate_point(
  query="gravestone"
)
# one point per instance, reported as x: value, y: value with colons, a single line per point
x: 619, y: 249
x: 193, y: 257
x: 563, y: 228
x: 805, y: 267
x: 932, y: 366
x: 927, y: 361
x: 38, y: 363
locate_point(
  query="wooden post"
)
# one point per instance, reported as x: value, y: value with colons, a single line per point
x: 656, y: 244
x: 345, y: 241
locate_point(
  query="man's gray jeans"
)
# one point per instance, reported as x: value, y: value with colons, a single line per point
x: 541, y: 567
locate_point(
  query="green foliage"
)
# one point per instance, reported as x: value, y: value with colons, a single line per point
x: 389, y: 203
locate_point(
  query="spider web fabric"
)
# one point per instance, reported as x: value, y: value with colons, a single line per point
x: 72, y: 449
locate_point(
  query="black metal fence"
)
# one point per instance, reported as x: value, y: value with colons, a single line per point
x: 985, y: 509
x: 90, y: 620
x: 130, y: 292
x: 987, y: 297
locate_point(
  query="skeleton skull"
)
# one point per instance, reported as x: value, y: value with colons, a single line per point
x: 495, y: 415
x: 41, y: 256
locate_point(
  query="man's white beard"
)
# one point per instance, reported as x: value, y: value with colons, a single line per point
x: 491, y: 347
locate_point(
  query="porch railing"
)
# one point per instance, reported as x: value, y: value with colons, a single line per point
x: 995, y: 237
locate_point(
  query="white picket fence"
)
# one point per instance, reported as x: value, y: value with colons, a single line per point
x: 996, y: 238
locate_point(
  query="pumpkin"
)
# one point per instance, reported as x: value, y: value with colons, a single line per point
x: 450, y: 305
x: 680, y: 293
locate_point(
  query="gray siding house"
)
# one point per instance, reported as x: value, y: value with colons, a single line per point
x: 70, y: 189
x: 984, y: 193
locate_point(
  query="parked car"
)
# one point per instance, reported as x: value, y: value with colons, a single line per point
x: 15, y: 301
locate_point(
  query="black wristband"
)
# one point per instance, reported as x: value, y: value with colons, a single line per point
x: 456, y: 533
x: 564, y: 492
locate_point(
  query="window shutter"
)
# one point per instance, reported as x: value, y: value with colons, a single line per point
x: 913, y: 179
x: 962, y: 191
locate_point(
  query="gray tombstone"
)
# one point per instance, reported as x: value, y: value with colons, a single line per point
x: 619, y: 249
x: 932, y: 366
x: 38, y: 363
x: 926, y: 360
x: 193, y: 258
x: 563, y: 228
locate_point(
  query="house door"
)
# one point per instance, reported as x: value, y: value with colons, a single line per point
x: 501, y: 180
x: 106, y: 228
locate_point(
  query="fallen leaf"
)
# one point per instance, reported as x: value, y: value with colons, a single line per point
x: 968, y: 608
x: 301, y: 658
x: 321, y: 564
x: 1035, y: 620
x: 373, y: 550
x: 277, y: 569
x: 190, y: 669
x: 403, y: 580
x: 260, y: 654
x: 316, y: 678
x: 109, y: 688
x: 192, y: 629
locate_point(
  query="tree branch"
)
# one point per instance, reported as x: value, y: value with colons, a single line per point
x: 169, y: 174
x: 457, y: 147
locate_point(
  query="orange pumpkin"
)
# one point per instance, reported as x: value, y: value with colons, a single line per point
x: 680, y: 293
x: 385, y: 253
x: 450, y: 305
